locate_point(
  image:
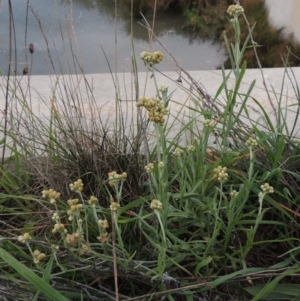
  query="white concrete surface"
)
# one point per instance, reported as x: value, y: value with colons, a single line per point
x: 58, y: 92
x: 285, y: 13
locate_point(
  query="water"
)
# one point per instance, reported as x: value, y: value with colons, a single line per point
x: 90, y: 27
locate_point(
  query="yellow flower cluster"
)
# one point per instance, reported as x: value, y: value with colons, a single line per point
x: 234, y: 194
x: 93, y: 201
x: 24, y: 238
x: 77, y: 186
x: 103, y: 238
x: 149, y: 167
x: 221, y: 174
x: 114, y: 177
x: 163, y: 89
x: 59, y: 227
x: 156, y: 110
x: 103, y: 223
x: 156, y: 205
x: 266, y: 188
x: 114, y: 206
x: 152, y: 58
x: 161, y: 164
x: 73, y: 239
x: 235, y: 10
x: 38, y: 256
x: 251, y: 142
x: 178, y: 152
x: 84, y: 248
x: 191, y: 148
x: 55, y: 216
x: 209, y: 123
x: 51, y: 194
x: 74, y: 208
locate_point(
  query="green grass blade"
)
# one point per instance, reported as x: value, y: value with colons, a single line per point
x: 35, y: 280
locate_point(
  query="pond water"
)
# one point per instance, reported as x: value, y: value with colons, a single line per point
x: 87, y: 28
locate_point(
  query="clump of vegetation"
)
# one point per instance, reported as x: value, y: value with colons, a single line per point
x: 93, y: 211
x: 270, y: 41
x: 207, y: 18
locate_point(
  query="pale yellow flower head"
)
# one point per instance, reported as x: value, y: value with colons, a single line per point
x: 251, y: 142
x: 235, y: 10
x: 93, y: 201
x: 209, y: 123
x: 84, y: 248
x: 38, y: 256
x: 72, y: 239
x: 75, y: 208
x: 149, y: 167
x: 77, y: 186
x: 103, y: 223
x: 161, y: 164
x: 156, y: 110
x: 266, y: 188
x: 25, y: 238
x: 191, y: 148
x: 115, y: 178
x: 163, y: 89
x: 156, y: 205
x: 233, y: 194
x: 103, y: 238
x: 152, y: 58
x: 178, y: 152
x: 114, y: 206
x: 221, y: 174
x: 51, y: 194
x: 59, y: 227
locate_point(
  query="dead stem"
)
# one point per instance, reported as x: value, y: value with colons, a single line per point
x: 113, y: 230
x: 254, y: 44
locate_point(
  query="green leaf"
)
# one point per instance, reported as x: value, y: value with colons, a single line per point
x: 30, y: 276
x: 282, y: 290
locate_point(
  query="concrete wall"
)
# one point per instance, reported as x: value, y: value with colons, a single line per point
x: 95, y: 94
x: 285, y: 13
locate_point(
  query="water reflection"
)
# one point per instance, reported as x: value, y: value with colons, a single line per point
x: 92, y: 21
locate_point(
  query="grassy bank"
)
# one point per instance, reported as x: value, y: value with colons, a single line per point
x: 127, y: 211
x: 208, y: 19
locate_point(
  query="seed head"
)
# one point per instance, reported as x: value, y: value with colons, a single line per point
x: 103, y: 238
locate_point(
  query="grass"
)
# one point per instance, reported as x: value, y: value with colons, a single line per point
x: 213, y: 215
